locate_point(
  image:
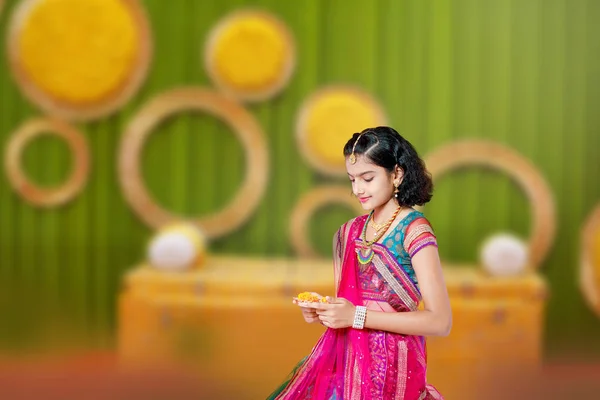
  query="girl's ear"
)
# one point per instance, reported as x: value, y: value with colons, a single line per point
x: 398, y: 175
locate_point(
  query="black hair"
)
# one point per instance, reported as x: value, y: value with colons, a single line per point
x: 385, y: 147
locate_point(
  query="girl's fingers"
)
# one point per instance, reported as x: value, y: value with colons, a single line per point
x: 310, y: 314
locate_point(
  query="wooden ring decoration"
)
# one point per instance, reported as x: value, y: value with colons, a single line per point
x: 47, y: 197
x: 496, y: 156
x: 305, y: 209
x: 196, y: 99
x: 589, y: 270
x: 246, y: 71
x: 321, y: 141
x: 67, y: 85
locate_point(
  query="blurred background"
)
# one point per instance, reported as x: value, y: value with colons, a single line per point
x: 523, y: 75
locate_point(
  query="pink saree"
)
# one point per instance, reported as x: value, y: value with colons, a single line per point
x: 350, y: 364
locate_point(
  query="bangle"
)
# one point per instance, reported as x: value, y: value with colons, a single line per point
x: 359, y: 317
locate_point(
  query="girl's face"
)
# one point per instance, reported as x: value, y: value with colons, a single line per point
x: 372, y: 185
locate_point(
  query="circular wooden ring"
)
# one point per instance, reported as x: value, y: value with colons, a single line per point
x: 496, y: 156
x: 245, y: 127
x: 20, y: 183
x: 85, y: 111
x: 589, y: 278
x: 238, y: 93
x: 305, y: 209
x: 314, y: 159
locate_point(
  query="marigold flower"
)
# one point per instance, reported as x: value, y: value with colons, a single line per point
x: 311, y: 298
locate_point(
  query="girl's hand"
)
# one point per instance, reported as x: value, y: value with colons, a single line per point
x: 309, y: 314
x: 336, y: 313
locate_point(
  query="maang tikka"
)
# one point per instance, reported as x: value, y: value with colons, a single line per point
x: 353, y: 156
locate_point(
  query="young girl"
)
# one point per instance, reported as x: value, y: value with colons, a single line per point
x: 385, y: 263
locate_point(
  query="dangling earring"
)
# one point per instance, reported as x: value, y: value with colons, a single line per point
x: 396, y: 191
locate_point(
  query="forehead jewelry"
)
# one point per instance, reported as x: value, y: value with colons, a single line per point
x: 353, y: 156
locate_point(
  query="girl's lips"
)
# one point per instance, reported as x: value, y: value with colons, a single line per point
x: 363, y: 199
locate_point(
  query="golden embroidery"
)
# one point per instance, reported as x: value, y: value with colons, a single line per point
x: 416, y: 232
x: 402, y: 368
x: 393, y: 282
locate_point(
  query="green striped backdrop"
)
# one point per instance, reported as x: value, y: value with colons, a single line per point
x: 522, y: 72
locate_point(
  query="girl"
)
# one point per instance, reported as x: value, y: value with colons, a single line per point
x: 385, y: 263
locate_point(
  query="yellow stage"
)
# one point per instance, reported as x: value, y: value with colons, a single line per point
x: 234, y: 321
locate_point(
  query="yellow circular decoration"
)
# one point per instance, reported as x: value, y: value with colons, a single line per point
x: 305, y: 209
x: 17, y: 178
x: 589, y: 271
x: 250, y: 55
x: 327, y: 120
x: 494, y: 155
x: 244, y: 125
x: 76, y: 59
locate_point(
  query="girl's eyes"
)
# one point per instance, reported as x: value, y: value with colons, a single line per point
x: 366, y: 180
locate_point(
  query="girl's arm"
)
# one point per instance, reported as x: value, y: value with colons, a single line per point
x: 434, y: 320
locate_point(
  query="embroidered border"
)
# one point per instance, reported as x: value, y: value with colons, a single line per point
x: 416, y: 232
x: 402, y: 368
x: 420, y: 244
x: 393, y: 282
x: 399, y: 271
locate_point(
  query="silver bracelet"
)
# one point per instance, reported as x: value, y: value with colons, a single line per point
x: 359, y: 317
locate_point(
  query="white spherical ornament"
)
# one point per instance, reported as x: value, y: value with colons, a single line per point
x: 504, y: 255
x: 176, y: 248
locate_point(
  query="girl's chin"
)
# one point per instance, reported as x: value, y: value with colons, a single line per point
x: 366, y: 206
x: 370, y: 205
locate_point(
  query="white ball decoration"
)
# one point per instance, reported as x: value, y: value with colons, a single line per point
x: 176, y: 247
x: 504, y: 254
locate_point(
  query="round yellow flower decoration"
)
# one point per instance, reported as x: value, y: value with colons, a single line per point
x: 250, y: 55
x: 328, y: 118
x: 589, y: 272
x: 79, y: 59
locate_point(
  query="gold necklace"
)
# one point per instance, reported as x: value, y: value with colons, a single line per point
x: 380, y: 229
x: 365, y: 253
x: 376, y: 226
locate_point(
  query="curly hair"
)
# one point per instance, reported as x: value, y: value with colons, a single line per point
x: 385, y: 147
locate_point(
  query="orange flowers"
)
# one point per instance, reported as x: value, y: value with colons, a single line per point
x: 309, y: 297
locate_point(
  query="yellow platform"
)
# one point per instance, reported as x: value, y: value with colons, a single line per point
x: 233, y: 321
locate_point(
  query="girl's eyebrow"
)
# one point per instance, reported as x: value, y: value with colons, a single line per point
x: 362, y: 173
